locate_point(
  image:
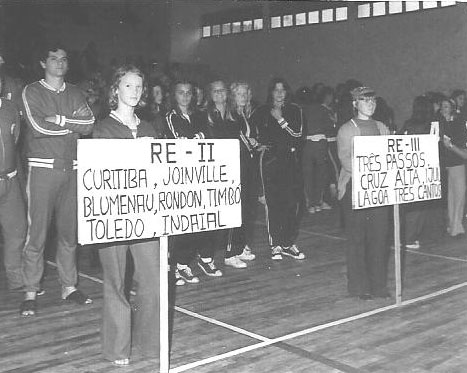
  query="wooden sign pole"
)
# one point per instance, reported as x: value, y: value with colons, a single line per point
x: 397, y: 255
x: 164, y: 305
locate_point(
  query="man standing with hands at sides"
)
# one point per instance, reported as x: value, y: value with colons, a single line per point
x: 57, y: 115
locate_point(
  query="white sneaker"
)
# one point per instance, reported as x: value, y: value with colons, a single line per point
x: 178, y: 280
x: 186, y: 274
x: 325, y: 206
x: 293, y: 252
x: 246, y: 254
x: 414, y: 245
x: 276, y: 253
x: 235, y: 262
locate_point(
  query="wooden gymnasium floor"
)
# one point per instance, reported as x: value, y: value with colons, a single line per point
x: 289, y: 316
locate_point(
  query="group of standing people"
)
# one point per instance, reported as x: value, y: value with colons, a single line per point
x: 285, y: 149
x: 57, y: 114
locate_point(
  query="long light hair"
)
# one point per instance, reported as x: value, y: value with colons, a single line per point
x: 234, y: 87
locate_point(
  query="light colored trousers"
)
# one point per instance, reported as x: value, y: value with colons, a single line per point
x: 456, y: 199
x: 117, y: 333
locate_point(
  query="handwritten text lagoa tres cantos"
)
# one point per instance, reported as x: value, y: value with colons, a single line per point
x: 390, y: 170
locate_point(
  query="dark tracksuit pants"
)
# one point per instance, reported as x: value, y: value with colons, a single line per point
x: 51, y: 192
x: 185, y: 247
x: 315, y: 170
x: 368, y: 249
x: 283, y: 189
x: 416, y: 215
x: 116, y: 334
x: 13, y: 224
x: 239, y: 237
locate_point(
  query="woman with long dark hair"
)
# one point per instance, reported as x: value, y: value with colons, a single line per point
x: 185, y: 122
x: 155, y: 109
x: 280, y: 130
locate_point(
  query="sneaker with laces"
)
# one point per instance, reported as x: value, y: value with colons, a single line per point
x: 311, y: 209
x: 187, y: 275
x: 246, y: 254
x: 325, y: 206
x: 293, y: 252
x: 318, y: 208
x: 209, y: 268
x: 178, y: 280
x: 235, y: 262
x: 276, y: 253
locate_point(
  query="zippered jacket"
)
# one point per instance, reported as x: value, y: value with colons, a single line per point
x: 53, y: 145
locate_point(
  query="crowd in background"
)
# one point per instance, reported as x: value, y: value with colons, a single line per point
x: 323, y: 108
x: 295, y: 158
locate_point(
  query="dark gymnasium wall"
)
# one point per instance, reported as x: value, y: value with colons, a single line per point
x: 400, y: 55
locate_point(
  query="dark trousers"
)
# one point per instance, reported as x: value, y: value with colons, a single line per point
x: 315, y: 170
x: 283, y: 190
x: 117, y: 330
x: 243, y: 235
x: 416, y: 215
x: 368, y: 249
x: 50, y: 193
x: 13, y: 224
x: 185, y: 247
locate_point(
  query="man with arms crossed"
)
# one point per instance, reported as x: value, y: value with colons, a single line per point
x: 57, y: 115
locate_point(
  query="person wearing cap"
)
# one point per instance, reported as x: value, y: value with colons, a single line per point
x: 368, y: 249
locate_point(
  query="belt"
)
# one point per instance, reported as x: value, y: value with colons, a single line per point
x: 9, y: 175
x: 332, y: 139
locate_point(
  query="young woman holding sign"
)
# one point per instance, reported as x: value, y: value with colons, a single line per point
x: 368, y: 250
x: 126, y: 93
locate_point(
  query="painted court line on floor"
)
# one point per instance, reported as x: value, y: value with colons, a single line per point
x: 335, y: 365
x: 256, y: 346
x: 437, y: 256
x: 268, y: 342
x: 188, y: 312
x: 222, y: 324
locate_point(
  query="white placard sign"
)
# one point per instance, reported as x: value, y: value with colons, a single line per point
x: 142, y: 188
x: 388, y: 170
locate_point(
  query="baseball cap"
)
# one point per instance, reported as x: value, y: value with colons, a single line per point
x: 361, y: 92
